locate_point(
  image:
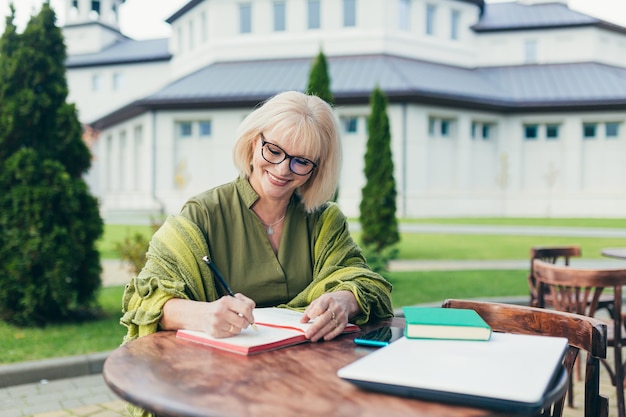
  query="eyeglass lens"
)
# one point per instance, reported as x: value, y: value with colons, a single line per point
x: 274, y: 154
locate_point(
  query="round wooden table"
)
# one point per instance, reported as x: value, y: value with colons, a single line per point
x: 172, y: 377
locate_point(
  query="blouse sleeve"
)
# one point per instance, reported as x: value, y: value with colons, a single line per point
x: 173, y: 270
x: 339, y: 265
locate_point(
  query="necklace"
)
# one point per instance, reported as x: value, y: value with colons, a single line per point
x: 270, y: 229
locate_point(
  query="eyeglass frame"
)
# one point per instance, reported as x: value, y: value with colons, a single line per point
x: 286, y: 156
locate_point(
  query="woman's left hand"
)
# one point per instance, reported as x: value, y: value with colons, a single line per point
x: 330, y: 314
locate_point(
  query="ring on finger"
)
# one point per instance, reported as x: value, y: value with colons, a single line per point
x: 333, y: 318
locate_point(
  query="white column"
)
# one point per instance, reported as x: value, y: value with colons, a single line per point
x: 463, y: 142
x: 573, y: 147
x: 84, y: 7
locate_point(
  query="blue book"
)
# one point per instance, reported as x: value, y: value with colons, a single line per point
x: 444, y: 323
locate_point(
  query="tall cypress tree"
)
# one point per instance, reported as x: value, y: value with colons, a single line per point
x: 319, y: 85
x: 378, y: 201
x: 49, y: 222
x: 319, y: 79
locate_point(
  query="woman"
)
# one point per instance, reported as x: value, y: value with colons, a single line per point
x: 271, y: 232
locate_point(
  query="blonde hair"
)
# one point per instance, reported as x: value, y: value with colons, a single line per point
x: 303, y: 119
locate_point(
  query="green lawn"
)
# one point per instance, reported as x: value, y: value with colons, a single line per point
x: 489, y: 247
x: 22, y: 344
x: 435, y: 286
x: 510, y: 221
x: 19, y: 344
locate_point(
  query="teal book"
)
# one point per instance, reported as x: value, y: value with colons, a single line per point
x: 445, y: 323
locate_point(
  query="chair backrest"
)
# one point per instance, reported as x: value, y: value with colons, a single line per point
x: 582, y: 332
x: 578, y: 290
x: 554, y: 255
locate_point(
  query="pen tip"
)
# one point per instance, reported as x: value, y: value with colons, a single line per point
x: 256, y: 329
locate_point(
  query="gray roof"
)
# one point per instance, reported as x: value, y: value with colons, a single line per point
x: 528, y: 88
x: 126, y: 51
x: 517, y: 16
x: 351, y: 77
x: 354, y: 77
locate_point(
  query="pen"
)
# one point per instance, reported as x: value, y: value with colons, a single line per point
x: 223, y: 282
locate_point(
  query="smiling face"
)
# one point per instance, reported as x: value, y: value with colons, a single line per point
x: 303, y: 126
x: 276, y: 181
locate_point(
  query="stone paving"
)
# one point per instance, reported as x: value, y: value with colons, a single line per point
x: 85, y: 396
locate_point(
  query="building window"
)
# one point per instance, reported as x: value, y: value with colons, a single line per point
x: 486, y: 132
x: 531, y: 132
x: 445, y: 127
x: 440, y: 127
x: 349, y: 13
x: 552, y: 131
x: 404, y: 13
x: 482, y: 130
x: 279, y: 16
x: 96, y: 82
x: 245, y: 18
x: 589, y: 130
x: 118, y: 81
x: 431, y: 11
x: 184, y: 130
x: 612, y: 130
x: 205, y: 127
x: 455, y: 19
x: 350, y: 124
x: 530, y: 51
x: 314, y: 14
x: 95, y: 7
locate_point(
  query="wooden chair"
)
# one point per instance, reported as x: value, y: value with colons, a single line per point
x: 576, y: 290
x: 554, y: 255
x: 582, y: 332
x: 559, y: 255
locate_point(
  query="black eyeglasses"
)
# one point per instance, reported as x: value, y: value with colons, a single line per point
x: 274, y: 154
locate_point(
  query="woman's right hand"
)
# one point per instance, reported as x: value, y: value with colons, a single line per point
x: 224, y: 317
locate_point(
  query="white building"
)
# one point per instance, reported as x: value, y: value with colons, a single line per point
x: 497, y: 109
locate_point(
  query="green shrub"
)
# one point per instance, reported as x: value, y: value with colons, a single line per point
x: 133, y: 248
x: 49, y: 224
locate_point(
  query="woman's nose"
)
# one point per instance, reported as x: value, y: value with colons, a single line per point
x: 284, y: 167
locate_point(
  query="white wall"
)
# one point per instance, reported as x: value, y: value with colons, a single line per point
x: 136, y: 81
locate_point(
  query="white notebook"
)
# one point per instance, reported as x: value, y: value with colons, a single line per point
x: 509, y: 372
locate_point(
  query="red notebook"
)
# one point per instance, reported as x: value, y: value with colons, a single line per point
x: 277, y: 328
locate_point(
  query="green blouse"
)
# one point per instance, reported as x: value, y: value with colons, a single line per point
x: 316, y: 255
x: 240, y: 247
